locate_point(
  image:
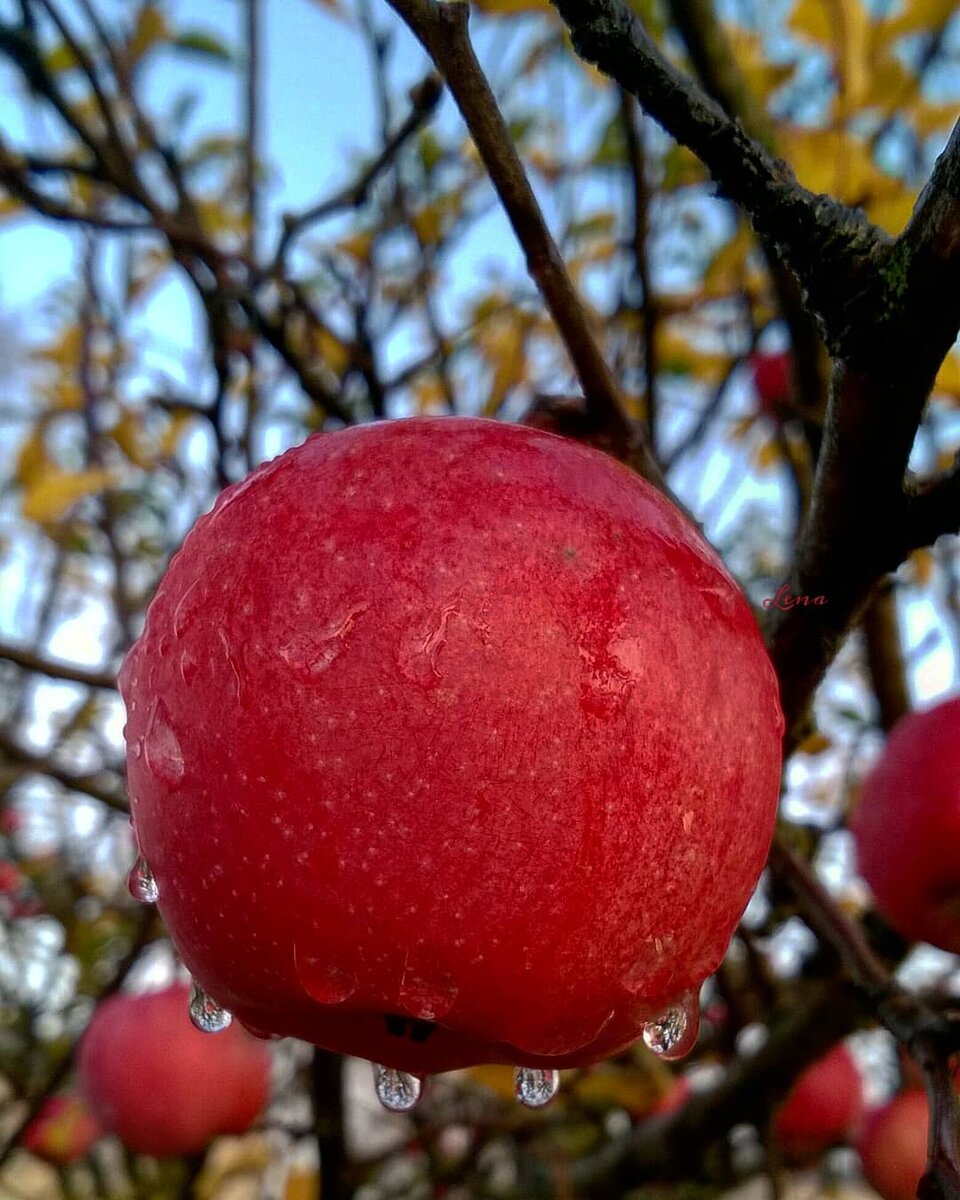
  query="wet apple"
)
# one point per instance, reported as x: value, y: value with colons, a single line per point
x: 451, y: 742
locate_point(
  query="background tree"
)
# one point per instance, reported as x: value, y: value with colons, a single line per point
x: 738, y: 271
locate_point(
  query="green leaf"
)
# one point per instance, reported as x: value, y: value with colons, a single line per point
x: 207, y: 45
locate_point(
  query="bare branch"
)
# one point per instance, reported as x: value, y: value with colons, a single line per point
x: 30, y: 762
x: 105, y: 680
x: 933, y: 507
x: 424, y: 98
x: 442, y: 29
x: 828, y: 246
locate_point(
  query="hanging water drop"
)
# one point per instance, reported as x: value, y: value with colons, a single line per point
x: 535, y: 1088
x: 141, y: 883
x: 673, y: 1034
x: 206, y: 1014
x: 396, y: 1090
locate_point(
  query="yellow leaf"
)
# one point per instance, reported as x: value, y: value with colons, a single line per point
x: 724, y: 274
x: 890, y: 84
x: 816, y: 743
x: 302, y: 1185
x: 216, y: 217
x: 923, y: 563
x: 502, y: 343
x: 509, y: 8
x: 231, y: 1159
x: 682, y: 168
x: 334, y: 351
x: 762, y: 76
x: 430, y: 396
x: 853, y: 27
x: 434, y: 220
x: 10, y: 206
x: 679, y: 357
x: 151, y: 27
x: 836, y: 162
x: 916, y: 16
x: 811, y: 19
x: 891, y: 212
x: 931, y: 118
x: 948, y: 377
x: 495, y: 1078
x: 128, y: 434
x: 48, y: 497
x: 32, y: 459
x: 357, y: 245
x: 766, y: 455
x: 174, y: 431
x: 637, y: 1091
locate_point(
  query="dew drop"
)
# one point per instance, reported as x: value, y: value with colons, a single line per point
x: 323, y: 980
x: 141, y: 883
x: 535, y: 1088
x: 673, y: 1034
x: 396, y: 1090
x: 162, y: 748
x: 206, y: 1014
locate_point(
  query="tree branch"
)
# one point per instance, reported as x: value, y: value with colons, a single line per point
x: 828, y: 246
x: 933, y: 507
x: 424, y: 98
x: 328, y: 1122
x: 58, y: 670
x: 442, y: 29
x: 31, y: 762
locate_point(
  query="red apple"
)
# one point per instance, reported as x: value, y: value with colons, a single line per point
x: 452, y: 742
x: 824, y: 1107
x: 162, y: 1086
x: 772, y: 380
x: 907, y: 827
x: 62, y: 1131
x: 893, y: 1146
x: 674, y: 1098
x: 10, y: 878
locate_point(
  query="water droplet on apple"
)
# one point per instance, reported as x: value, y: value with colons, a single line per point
x: 323, y: 980
x: 162, y: 748
x: 206, y: 1014
x: 535, y: 1088
x: 674, y: 1032
x: 396, y: 1090
x: 141, y: 883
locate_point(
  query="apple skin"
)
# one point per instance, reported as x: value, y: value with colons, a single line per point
x: 450, y: 742
x: 63, y: 1131
x: 824, y: 1107
x: 907, y: 827
x: 893, y: 1146
x: 163, y: 1087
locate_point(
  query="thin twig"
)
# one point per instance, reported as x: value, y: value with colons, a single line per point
x: 442, y: 29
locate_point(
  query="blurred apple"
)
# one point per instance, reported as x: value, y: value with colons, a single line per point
x: 161, y: 1085
x: 907, y: 827
x: 772, y: 381
x: 893, y: 1146
x: 824, y: 1107
x: 62, y: 1131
